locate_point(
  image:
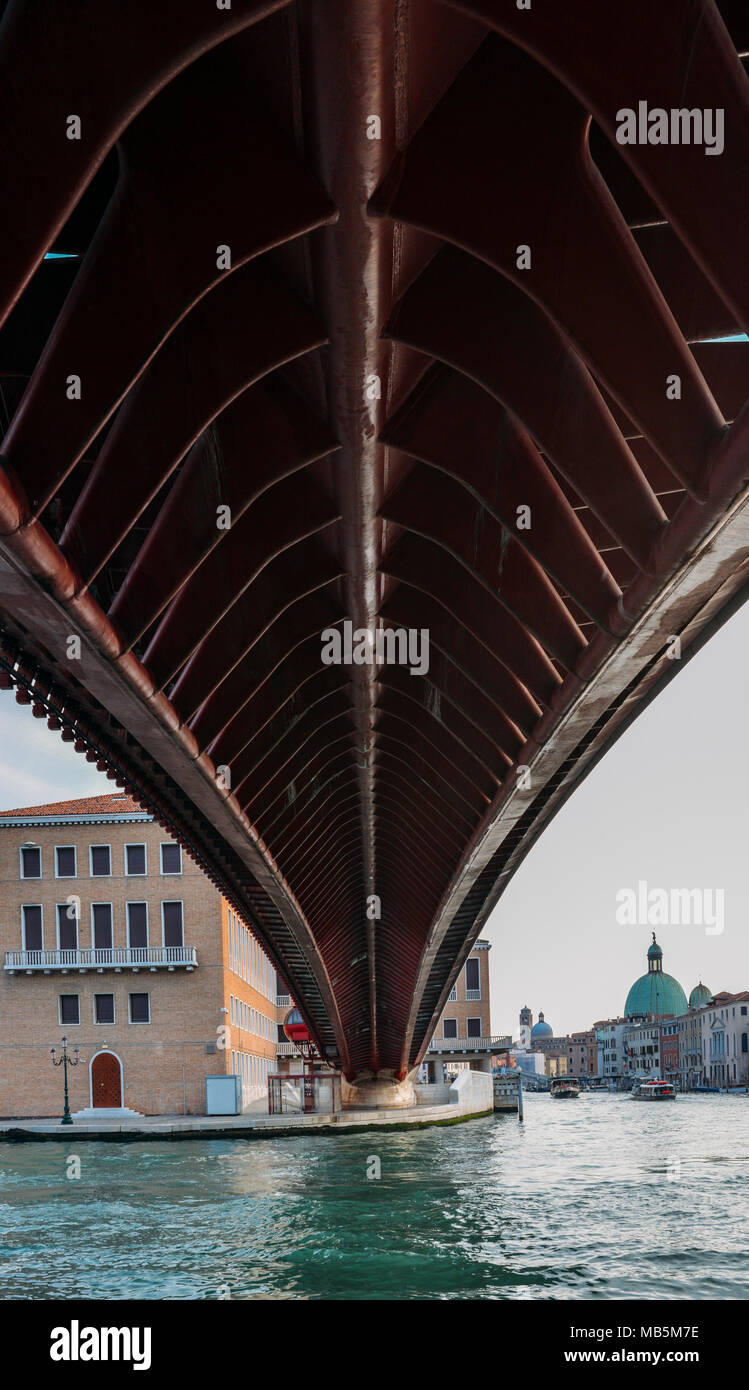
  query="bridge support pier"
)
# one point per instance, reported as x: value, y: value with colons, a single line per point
x: 380, y: 1092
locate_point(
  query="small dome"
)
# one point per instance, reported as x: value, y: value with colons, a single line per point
x: 654, y: 951
x: 542, y: 1029
x: 700, y: 996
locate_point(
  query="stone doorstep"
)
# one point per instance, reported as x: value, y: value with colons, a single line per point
x: 102, y: 1112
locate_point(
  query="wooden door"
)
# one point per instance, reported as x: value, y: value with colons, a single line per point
x: 106, y: 1081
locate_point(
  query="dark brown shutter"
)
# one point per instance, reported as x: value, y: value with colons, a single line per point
x: 32, y: 924
x: 137, y: 920
x: 173, y: 935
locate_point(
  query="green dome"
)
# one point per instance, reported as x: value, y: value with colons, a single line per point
x: 655, y: 993
x: 700, y: 995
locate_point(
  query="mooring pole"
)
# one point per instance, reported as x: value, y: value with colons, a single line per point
x: 520, y: 1099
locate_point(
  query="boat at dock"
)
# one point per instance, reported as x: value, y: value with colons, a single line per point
x: 562, y: 1089
x: 654, y: 1090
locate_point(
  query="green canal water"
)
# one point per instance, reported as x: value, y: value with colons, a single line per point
x: 598, y: 1198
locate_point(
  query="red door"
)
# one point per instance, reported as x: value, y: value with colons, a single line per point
x: 106, y: 1081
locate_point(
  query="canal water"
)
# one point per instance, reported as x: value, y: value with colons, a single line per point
x: 596, y: 1198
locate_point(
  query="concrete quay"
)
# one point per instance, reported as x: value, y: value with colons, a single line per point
x: 468, y: 1098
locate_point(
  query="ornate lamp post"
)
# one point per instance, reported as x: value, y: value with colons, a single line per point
x: 65, y: 1061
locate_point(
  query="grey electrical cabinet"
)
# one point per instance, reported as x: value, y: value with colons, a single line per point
x: 223, y: 1095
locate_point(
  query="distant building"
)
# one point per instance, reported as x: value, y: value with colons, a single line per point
x: 691, y: 1070
x: 610, y: 1045
x: 642, y: 1050
x: 555, y: 1064
x: 725, y: 1040
x: 583, y: 1054
x: 669, y: 1049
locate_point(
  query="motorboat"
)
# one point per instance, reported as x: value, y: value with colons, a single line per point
x: 654, y: 1090
x: 562, y: 1089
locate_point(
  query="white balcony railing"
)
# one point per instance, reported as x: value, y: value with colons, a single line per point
x: 472, y: 995
x: 283, y: 1001
x: 96, y: 958
x: 496, y: 1043
x: 286, y: 1049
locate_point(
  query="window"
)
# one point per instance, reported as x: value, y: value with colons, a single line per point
x: 101, y: 861
x: 31, y: 861
x: 103, y: 1008
x: 67, y: 926
x: 135, y: 859
x: 32, y: 928
x: 473, y: 979
x: 140, y: 1008
x: 137, y: 924
x: 171, y: 859
x: 70, y: 1008
x: 452, y: 997
x: 449, y: 1027
x: 744, y: 1042
x: 101, y: 926
x: 473, y: 1027
x: 65, y: 861
x: 172, y: 916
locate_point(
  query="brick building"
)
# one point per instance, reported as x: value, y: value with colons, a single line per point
x: 467, y: 1011
x: 111, y: 936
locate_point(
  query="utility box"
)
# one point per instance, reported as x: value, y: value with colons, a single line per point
x: 223, y: 1095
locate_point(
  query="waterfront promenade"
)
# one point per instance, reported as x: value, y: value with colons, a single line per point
x: 469, y: 1097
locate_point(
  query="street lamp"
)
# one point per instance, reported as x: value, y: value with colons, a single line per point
x: 65, y: 1061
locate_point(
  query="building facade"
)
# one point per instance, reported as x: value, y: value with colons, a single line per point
x: 610, y: 1045
x: 642, y: 1051
x: 112, y: 936
x: 467, y: 1013
x: 725, y: 1040
x: 690, y: 1049
x: 669, y: 1042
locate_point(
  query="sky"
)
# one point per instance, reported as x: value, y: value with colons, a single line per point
x: 668, y: 804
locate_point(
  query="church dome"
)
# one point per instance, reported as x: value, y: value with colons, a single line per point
x: 542, y: 1029
x: 656, y: 992
x: 700, y: 996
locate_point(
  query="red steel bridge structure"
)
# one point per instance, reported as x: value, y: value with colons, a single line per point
x: 378, y: 277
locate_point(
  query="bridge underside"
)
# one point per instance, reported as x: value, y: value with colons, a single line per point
x: 319, y: 312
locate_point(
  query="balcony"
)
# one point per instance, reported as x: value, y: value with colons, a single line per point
x: 116, y: 958
x: 496, y: 1043
x: 287, y: 1049
x: 283, y: 1001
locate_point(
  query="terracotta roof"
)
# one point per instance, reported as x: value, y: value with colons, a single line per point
x: 112, y: 804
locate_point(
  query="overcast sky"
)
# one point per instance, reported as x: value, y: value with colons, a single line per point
x: 668, y: 804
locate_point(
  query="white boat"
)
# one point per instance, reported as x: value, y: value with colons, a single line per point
x: 654, y: 1090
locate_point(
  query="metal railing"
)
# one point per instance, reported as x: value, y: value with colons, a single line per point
x: 498, y: 1042
x: 283, y: 1001
x: 99, y: 958
x: 286, y: 1049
